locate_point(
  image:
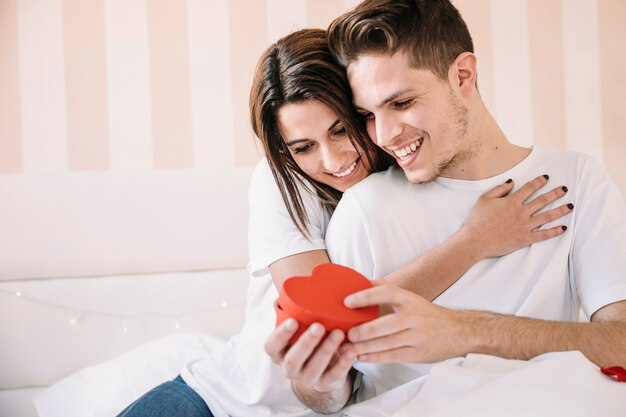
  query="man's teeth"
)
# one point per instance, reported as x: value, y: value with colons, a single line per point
x: 409, y: 149
x: 347, y: 171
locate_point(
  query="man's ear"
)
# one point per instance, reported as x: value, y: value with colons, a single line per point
x: 462, y: 72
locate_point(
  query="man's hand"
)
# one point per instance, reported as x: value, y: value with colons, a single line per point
x: 415, y: 331
x: 319, y: 374
x: 418, y: 331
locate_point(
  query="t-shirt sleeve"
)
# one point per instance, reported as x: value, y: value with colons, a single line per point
x: 598, y: 255
x: 272, y: 235
x: 348, y: 239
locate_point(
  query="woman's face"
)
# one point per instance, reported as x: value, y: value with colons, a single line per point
x: 320, y: 145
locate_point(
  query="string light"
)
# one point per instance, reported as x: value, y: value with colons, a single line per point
x: 75, y: 318
x: 78, y: 315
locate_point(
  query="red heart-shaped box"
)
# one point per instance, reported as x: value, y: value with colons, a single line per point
x: 319, y: 299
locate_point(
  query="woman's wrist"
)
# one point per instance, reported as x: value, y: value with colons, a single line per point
x: 471, y: 242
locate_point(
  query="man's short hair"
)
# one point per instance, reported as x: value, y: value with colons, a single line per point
x: 432, y: 33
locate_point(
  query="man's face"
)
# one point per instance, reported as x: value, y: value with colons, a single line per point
x: 412, y: 114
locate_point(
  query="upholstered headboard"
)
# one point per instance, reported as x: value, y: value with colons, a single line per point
x: 93, y: 264
x: 104, y: 223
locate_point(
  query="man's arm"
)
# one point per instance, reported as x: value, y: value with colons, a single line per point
x: 419, y: 331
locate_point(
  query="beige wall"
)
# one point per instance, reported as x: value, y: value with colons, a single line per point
x: 139, y: 85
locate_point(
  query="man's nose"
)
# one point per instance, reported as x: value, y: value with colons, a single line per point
x: 387, y: 128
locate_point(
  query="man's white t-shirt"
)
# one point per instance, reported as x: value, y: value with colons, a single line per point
x: 385, y: 222
x: 241, y: 380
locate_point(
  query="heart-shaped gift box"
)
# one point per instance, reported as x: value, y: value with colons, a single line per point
x: 319, y: 299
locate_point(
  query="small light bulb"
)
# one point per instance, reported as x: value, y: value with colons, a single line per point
x: 224, y: 304
x: 125, y: 326
x: 177, y: 325
x: 19, y: 294
x: 75, y: 319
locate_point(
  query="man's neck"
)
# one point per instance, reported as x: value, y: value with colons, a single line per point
x: 488, y: 152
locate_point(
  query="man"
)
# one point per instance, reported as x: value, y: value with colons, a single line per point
x: 412, y: 70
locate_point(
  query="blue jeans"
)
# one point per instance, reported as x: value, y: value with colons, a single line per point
x: 170, y: 399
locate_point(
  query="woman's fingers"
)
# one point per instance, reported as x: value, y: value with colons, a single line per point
x: 545, y: 234
x: 301, y: 351
x: 531, y: 188
x: 545, y: 199
x: 499, y: 191
x: 278, y: 342
x: 317, y: 364
x: 551, y: 215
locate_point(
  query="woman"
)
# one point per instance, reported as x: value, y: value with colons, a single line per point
x: 316, y: 148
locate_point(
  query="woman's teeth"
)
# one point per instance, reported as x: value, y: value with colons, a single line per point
x: 347, y: 171
x: 409, y: 149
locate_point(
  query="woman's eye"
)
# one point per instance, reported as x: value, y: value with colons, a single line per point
x: 302, y: 149
x: 403, y: 104
x: 367, y: 116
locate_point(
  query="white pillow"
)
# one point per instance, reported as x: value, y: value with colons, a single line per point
x: 107, y: 388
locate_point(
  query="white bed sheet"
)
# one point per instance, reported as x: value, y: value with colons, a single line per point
x: 556, y: 384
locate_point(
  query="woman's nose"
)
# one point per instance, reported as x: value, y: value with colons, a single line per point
x: 333, y: 158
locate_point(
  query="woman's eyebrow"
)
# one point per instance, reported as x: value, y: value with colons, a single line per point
x: 296, y: 141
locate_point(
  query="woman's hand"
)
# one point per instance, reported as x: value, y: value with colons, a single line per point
x: 312, y: 360
x: 503, y: 221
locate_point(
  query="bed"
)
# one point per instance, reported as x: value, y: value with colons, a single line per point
x: 138, y: 271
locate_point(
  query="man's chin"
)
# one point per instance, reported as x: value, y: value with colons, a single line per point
x: 419, y: 176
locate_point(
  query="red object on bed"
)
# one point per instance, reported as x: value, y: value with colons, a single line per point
x: 319, y: 299
x: 616, y: 372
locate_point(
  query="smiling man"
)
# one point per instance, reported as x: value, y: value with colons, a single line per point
x: 412, y: 70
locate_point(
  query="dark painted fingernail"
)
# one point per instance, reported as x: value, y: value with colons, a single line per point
x: 509, y: 181
x: 546, y: 176
x: 570, y: 206
x: 564, y: 228
x: 564, y: 188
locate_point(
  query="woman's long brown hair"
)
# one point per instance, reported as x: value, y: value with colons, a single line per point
x: 296, y: 69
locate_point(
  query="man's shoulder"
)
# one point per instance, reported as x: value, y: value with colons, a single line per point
x: 384, y: 181
x: 565, y: 157
x: 369, y: 194
x: 573, y: 163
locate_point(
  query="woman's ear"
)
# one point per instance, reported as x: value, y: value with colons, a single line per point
x: 462, y: 72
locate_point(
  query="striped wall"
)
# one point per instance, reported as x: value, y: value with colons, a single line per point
x: 141, y: 85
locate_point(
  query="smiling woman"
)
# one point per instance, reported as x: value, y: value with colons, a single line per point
x: 320, y: 145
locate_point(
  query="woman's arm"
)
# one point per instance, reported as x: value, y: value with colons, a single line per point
x: 320, y: 379
x: 300, y: 264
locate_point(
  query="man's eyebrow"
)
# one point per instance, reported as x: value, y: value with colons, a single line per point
x: 385, y: 101
x: 394, y: 96
x: 296, y: 141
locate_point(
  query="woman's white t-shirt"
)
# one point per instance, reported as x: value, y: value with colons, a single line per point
x: 241, y: 380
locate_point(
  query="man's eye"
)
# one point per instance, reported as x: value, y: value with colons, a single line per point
x: 340, y: 132
x: 303, y: 149
x: 403, y: 104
